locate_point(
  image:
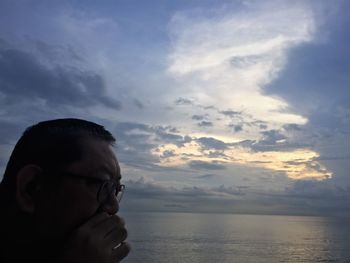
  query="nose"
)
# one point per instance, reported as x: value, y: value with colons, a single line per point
x: 111, y: 206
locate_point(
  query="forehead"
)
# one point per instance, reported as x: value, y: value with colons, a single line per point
x: 97, y: 157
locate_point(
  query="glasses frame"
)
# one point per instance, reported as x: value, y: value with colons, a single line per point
x: 120, y: 188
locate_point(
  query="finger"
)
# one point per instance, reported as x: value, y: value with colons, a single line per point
x: 121, y: 251
x: 119, y: 219
x: 117, y: 235
x: 112, y: 218
x: 109, y: 224
x: 96, y: 219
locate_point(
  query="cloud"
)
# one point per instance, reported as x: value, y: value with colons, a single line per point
x: 183, y: 101
x: 226, y: 50
x: 292, y: 127
x: 272, y: 136
x: 301, y: 197
x: 145, y: 189
x: 201, y: 165
x: 205, y: 124
x: 230, y: 113
x: 315, y: 70
x: 24, y: 78
x: 166, y: 135
x: 168, y: 153
x: 198, y: 117
x: 139, y: 104
x: 208, y: 143
x: 273, y: 152
x: 138, y: 144
x: 206, y: 176
x: 236, y: 127
x: 263, y: 126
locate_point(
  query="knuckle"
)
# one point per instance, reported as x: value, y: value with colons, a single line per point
x: 118, y: 219
x: 124, y: 233
x: 123, y: 250
x: 126, y: 248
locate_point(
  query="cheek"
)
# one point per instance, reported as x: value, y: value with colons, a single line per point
x: 77, y: 208
x: 66, y: 209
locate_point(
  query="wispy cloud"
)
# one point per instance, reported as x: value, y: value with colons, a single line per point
x: 227, y: 58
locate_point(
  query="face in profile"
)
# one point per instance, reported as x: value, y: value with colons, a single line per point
x: 75, y: 199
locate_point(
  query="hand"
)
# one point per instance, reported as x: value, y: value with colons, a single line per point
x: 100, y: 239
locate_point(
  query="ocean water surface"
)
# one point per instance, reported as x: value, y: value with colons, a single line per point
x: 189, y: 237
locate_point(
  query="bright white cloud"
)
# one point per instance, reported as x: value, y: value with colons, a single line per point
x: 228, y: 58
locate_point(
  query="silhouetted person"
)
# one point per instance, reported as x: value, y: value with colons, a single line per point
x: 60, y: 194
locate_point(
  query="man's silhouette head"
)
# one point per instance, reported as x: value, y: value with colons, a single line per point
x: 53, y: 144
x: 60, y: 173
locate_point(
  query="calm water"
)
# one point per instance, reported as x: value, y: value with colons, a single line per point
x: 185, y: 237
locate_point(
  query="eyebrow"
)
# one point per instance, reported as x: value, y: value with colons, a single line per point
x: 109, y: 172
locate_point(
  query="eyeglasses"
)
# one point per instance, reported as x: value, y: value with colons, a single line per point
x: 107, y: 189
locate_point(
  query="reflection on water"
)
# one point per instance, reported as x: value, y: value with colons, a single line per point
x: 185, y: 237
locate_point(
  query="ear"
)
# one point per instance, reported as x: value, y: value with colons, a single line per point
x: 27, y: 185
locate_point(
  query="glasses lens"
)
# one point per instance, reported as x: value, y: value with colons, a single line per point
x: 108, y: 190
x: 120, y: 192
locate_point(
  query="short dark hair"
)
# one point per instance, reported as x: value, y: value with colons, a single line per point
x: 52, y: 144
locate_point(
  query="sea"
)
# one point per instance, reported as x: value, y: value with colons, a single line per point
x: 226, y: 238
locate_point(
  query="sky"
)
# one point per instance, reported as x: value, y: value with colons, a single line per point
x: 217, y: 106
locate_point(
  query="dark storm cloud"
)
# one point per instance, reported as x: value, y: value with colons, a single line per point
x: 317, y: 73
x: 323, y: 197
x: 263, y: 126
x: 272, y: 136
x: 146, y: 196
x: 205, y: 124
x: 236, y: 127
x: 198, y: 117
x: 168, y: 153
x: 216, y: 154
x: 208, y: 143
x: 272, y: 140
x: 149, y: 196
x: 139, y: 104
x: 183, y: 101
x: 296, y: 162
x: 269, y: 141
x: 205, y: 176
x: 230, y: 113
x: 210, y: 107
x: 167, y: 135
x: 231, y: 190
x: 292, y: 127
x: 144, y: 190
x: 201, y: 165
x: 24, y: 78
x: 244, y: 143
x: 302, y: 197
